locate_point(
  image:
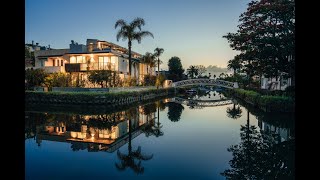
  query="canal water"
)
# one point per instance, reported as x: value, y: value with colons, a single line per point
x: 206, y: 136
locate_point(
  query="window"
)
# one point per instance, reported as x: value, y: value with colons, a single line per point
x: 81, y: 59
x: 61, y: 62
x: 73, y: 59
x: 104, y: 61
x: 53, y: 62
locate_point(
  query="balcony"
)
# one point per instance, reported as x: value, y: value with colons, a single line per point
x: 76, y: 67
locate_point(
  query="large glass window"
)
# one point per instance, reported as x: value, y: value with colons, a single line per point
x: 73, y: 59
x: 104, y: 62
x: 81, y: 59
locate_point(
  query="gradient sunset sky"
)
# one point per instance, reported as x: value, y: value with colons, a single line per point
x: 189, y: 29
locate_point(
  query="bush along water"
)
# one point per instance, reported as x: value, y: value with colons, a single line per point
x: 268, y: 103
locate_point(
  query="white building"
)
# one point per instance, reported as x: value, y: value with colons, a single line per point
x: 95, y: 55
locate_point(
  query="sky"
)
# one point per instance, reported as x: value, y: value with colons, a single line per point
x: 189, y: 29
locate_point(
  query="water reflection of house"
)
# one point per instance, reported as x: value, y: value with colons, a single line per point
x: 83, y: 136
x: 284, y: 133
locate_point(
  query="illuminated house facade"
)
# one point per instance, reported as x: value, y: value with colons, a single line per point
x: 95, y: 55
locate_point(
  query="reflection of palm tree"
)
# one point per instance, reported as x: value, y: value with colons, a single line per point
x: 258, y: 156
x: 234, y: 112
x: 158, y: 131
x: 174, y: 111
x: 151, y: 127
x: 130, y: 160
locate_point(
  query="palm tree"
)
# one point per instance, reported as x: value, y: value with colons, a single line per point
x: 157, y: 53
x: 192, y: 71
x: 149, y: 60
x: 128, y: 31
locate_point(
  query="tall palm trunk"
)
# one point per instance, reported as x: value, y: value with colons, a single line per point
x: 129, y: 46
x: 158, y: 77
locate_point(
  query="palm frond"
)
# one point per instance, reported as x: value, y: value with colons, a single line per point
x: 120, y: 23
x: 137, y: 22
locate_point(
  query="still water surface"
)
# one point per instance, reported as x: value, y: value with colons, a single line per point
x: 160, y: 140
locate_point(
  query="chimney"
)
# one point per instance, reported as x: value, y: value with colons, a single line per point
x: 49, y: 46
x: 32, y: 43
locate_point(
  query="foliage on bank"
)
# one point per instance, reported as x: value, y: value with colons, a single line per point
x: 94, y: 98
x: 267, y: 103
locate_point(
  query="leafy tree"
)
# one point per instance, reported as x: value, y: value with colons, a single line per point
x: 130, y: 81
x: 235, y: 64
x: 101, y: 77
x: 175, y: 69
x: 129, y: 31
x: 174, y: 111
x: 157, y: 52
x: 192, y: 71
x: 34, y: 77
x: 57, y: 80
x: 149, y: 80
x: 201, y: 69
x: 266, y: 38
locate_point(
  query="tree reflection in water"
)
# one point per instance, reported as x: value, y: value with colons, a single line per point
x: 234, y: 112
x: 153, y: 128
x: 133, y: 158
x: 259, y: 156
x: 174, y: 111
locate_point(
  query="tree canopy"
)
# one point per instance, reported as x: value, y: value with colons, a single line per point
x: 175, y: 69
x: 266, y: 38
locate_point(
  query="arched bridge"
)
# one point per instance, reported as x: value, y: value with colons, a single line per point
x: 215, y: 82
x: 200, y: 103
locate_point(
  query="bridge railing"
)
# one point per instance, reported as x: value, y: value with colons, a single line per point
x: 216, y: 82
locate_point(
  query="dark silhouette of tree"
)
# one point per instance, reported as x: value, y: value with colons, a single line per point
x: 234, y: 112
x: 192, y: 71
x: 175, y: 69
x: 129, y: 31
x: 235, y: 64
x: 266, y: 38
x: 201, y: 70
x: 258, y: 156
x: 174, y: 111
x: 34, y: 77
x: 157, y: 52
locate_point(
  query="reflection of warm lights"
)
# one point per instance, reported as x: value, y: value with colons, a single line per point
x: 73, y: 134
x: 92, y: 135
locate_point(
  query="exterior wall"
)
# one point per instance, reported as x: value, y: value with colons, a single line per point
x: 53, y: 55
x: 123, y: 65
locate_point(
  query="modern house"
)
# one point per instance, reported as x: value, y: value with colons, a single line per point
x: 79, y: 59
